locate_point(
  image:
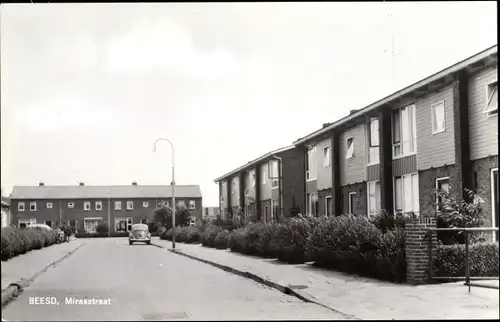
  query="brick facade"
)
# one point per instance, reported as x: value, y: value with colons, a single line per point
x: 482, y: 183
x: 361, y: 202
x: 417, y: 249
x: 293, y: 180
x: 427, y: 185
x: 321, y: 200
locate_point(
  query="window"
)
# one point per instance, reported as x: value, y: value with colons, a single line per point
x: 407, y: 193
x: 23, y: 223
x: 49, y: 205
x: 326, y: 157
x: 253, y: 180
x: 98, y: 205
x: 130, y: 205
x: 145, y: 204
x: 86, y: 206
x: 442, y: 184
x: 328, y: 205
x: 33, y: 206
x: 123, y: 224
x: 192, y: 204
x: 311, y: 168
x: 71, y: 205
x: 90, y: 224
x: 20, y: 206
x: 491, y: 106
x: 118, y: 205
x: 273, y: 169
x: 438, y: 119
x: 181, y: 203
x: 404, y: 134
x: 48, y: 223
x: 352, y: 203
x: 373, y: 197
x: 349, y: 148
x: 373, y: 139
x: 263, y: 176
x: 312, y: 203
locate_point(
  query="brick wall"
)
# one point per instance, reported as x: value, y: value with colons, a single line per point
x: 427, y: 184
x: 361, y: 198
x: 293, y: 180
x: 321, y: 200
x: 417, y: 249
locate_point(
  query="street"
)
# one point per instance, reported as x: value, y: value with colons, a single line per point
x: 144, y: 282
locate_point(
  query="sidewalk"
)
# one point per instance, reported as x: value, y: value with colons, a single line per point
x: 361, y: 297
x: 28, y: 265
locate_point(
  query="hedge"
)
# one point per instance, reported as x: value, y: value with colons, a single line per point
x: 190, y: 235
x: 16, y: 241
x: 449, y: 260
x: 221, y: 240
x: 209, y: 235
x: 101, y: 234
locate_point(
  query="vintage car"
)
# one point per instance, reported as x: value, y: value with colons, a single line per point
x: 139, y: 233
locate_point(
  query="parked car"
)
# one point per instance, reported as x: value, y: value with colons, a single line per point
x: 60, y: 234
x: 40, y: 227
x: 139, y: 233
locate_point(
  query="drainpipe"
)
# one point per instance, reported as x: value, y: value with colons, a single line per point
x: 280, y: 191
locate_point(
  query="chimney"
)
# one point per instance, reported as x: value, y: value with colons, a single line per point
x: 41, y: 184
x: 326, y: 124
x: 352, y: 112
x: 82, y: 184
x: 134, y: 183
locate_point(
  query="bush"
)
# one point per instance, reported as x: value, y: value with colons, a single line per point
x: 221, y: 240
x: 449, y: 260
x: 16, y: 241
x: 193, y: 235
x: 209, y: 235
x: 290, y: 239
x: 237, y: 241
x: 355, y: 245
x: 385, y: 221
x: 102, y: 227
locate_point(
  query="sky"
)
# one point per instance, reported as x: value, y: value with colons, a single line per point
x: 86, y: 88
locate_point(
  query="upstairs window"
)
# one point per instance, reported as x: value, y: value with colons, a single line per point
x: 98, y: 205
x: 404, y: 134
x: 20, y: 206
x: 49, y: 205
x: 326, y: 157
x: 130, y: 205
x: 86, y: 206
x: 311, y: 168
x: 349, y: 148
x: 33, y: 206
x: 438, y: 120
x: 491, y: 106
x: 118, y: 205
x: 192, y: 204
x: 373, y: 140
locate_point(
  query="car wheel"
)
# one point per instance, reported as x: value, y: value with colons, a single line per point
x: 148, y: 242
x: 129, y: 242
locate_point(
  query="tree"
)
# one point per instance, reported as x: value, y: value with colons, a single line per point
x: 163, y: 216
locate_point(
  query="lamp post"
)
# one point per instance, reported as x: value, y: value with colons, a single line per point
x: 172, y: 183
x: 109, y: 214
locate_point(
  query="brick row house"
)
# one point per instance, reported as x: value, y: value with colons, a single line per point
x: 84, y: 207
x: 259, y: 187
x: 439, y: 133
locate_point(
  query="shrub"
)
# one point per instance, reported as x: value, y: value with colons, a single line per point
x: 385, y: 221
x: 449, y: 260
x: 209, y: 235
x: 237, y: 241
x: 290, y: 238
x: 193, y: 235
x: 221, y: 240
x: 102, y: 227
x: 16, y: 241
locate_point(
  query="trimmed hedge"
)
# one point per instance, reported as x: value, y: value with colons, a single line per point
x: 221, y: 240
x: 209, y: 235
x: 449, y: 260
x: 16, y: 241
x: 189, y: 235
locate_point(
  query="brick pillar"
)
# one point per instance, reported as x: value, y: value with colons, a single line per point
x: 242, y: 190
x: 385, y: 141
x: 417, y: 249
x: 336, y: 191
x: 463, y: 164
x: 257, y: 192
x: 229, y: 201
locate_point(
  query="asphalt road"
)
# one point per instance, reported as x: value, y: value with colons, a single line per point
x: 142, y: 282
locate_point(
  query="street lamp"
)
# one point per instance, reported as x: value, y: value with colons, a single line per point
x: 173, y: 185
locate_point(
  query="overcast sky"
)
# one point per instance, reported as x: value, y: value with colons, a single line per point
x: 87, y: 88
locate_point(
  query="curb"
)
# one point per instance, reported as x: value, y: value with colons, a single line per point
x: 14, y: 289
x: 283, y: 289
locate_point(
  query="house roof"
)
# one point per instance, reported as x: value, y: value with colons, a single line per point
x: 92, y: 192
x: 418, y: 85
x: 253, y: 162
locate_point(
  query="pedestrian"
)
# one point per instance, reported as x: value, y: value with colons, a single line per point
x: 67, y: 233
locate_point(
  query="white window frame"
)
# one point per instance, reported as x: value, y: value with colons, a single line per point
x: 32, y: 203
x: 326, y: 205
x: 126, y: 219
x: 192, y: 204
x: 49, y: 205
x: 489, y: 96
x: 311, y: 174
x: 493, y: 209
x: 350, y: 205
x: 417, y: 211
x: 71, y: 205
x: 253, y: 180
x: 349, y: 153
x: 130, y: 205
x: 26, y: 221
x: 98, y: 205
x: 368, y: 186
x: 327, y: 157
x: 412, y: 136
x: 373, y: 150
x: 21, y: 206
x: 98, y: 219
x: 433, y: 118
x: 437, y: 187
x: 181, y: 203
x: 264, y: 176
x: 118, y: 205
x: 145, y: 204
x: 87, y: 206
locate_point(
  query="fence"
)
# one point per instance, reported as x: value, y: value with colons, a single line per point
x: 466, y: 254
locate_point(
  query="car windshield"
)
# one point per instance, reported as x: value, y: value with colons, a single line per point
x: 140, y: 227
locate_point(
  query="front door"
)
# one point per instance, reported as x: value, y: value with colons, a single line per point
x: 494, y: 200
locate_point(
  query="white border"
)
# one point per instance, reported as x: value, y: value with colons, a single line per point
x: 326, y: 205
x: 493, y: 220
x: 349, y: 202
